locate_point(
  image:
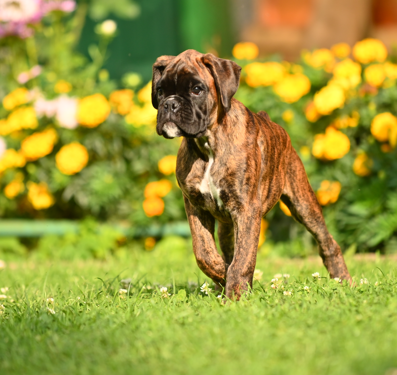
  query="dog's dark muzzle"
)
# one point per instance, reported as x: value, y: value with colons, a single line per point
x: 177, y: 118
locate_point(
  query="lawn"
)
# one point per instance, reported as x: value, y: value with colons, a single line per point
x: 70, y: 317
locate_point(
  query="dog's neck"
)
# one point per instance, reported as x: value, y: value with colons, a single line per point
x: 206, y: 145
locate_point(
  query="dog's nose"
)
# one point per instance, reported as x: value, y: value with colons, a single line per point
x: 171, y: 104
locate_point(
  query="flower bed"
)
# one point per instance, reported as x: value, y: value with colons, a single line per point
x: 74, y: 144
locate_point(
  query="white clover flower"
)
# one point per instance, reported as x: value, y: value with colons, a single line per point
x: 287, y: 293
x: 205, y: 288
x: 286, y: 276
x: 148, y: 287
x: 363, y: 281
x: 273, y: 286
x: 107, y: 27
x: 306, y: 287
x: 123, y: 291
x: 2, y: 264
x: 274, y: 280
x: 258, y: 275
x: 164, y: 292
x: 50, y: 300
x: 337, y: 279
x: 3, y: 296
x: 278, y: 276
x: 51, y: 311
x: 315, y: 274
x: 4, y: 290
x: 220, y: 296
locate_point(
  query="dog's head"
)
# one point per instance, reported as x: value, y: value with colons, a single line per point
x: 190, y: 91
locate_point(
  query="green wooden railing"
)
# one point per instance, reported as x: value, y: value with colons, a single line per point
x: 38, y: 228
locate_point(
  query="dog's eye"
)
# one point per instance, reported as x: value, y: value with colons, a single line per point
x: 196, y: 90
x: 160, y: 91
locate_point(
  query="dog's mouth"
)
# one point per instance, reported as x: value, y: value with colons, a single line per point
x: 170, y: 130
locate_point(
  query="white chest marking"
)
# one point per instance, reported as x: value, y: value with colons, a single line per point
x: 207, y: 184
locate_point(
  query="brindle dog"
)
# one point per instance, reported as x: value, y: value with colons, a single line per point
x: 233, y: 166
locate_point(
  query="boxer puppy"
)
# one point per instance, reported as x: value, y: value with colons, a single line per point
x: 233, y: 166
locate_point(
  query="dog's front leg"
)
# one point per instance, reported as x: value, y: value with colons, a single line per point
x: 202, y: 226
x: 247, y: 225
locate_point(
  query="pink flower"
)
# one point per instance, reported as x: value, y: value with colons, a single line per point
x: 20, y: 11
x: 63, y: 108
x: 63, y: 6
x: 17, y: 14
x: 46, y: 108
x: 66, y: 112
x: 30, y: 74
x: 20, y: 30
x: 3, y: 146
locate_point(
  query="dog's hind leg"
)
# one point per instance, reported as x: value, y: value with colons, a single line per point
x: 302, y: 202
x: 226, y: 241
x: 202, y: 227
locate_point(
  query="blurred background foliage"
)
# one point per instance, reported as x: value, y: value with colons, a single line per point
x: 78, y: 134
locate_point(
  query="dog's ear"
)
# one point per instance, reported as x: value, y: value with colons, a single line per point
x: 226, y: 75
x: 158, y: 68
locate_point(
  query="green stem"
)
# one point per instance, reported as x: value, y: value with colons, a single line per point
x: 31, y: 51
x: 81, y: 14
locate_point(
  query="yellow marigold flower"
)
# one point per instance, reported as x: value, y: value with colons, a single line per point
x: 93, y: 110
x: 21, y: 118
x: 245, y: 51
x: 390, y: 70
x: 375, y: 74
x: 369, y: 50
x: 288, y: 116
x: 284, y: 208
x: 15, y: 98
x: 121, y: 100
x: 153, y: 206
x: 3, y: 127
x: 11, y: 159
x: 292, y: 87
x: 157, y: 188
x: 332, y: 145
x: 320, y: 58
x: 385, y: 147
x: 347, y: 73
x: 341, y: 50
x: 149, y: 243
x: 62, y: 87
x: 362, y: 165
x: 328, y: 192
x: 167, y: 164
x: 311, y: 112
x: 145, y: 94
x: 296, y: 69
x: 139, y: 116
x: 38, y: 145
x: 15, y: 187
x: 71, y: 158
x: 264, y: 74
x: 383, y: 125
x: 39, y: 196
x: 346, y: 121
x: 262, y: 235
x: 329, y: 98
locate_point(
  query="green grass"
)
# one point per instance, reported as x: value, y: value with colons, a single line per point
x: 330, y: 329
